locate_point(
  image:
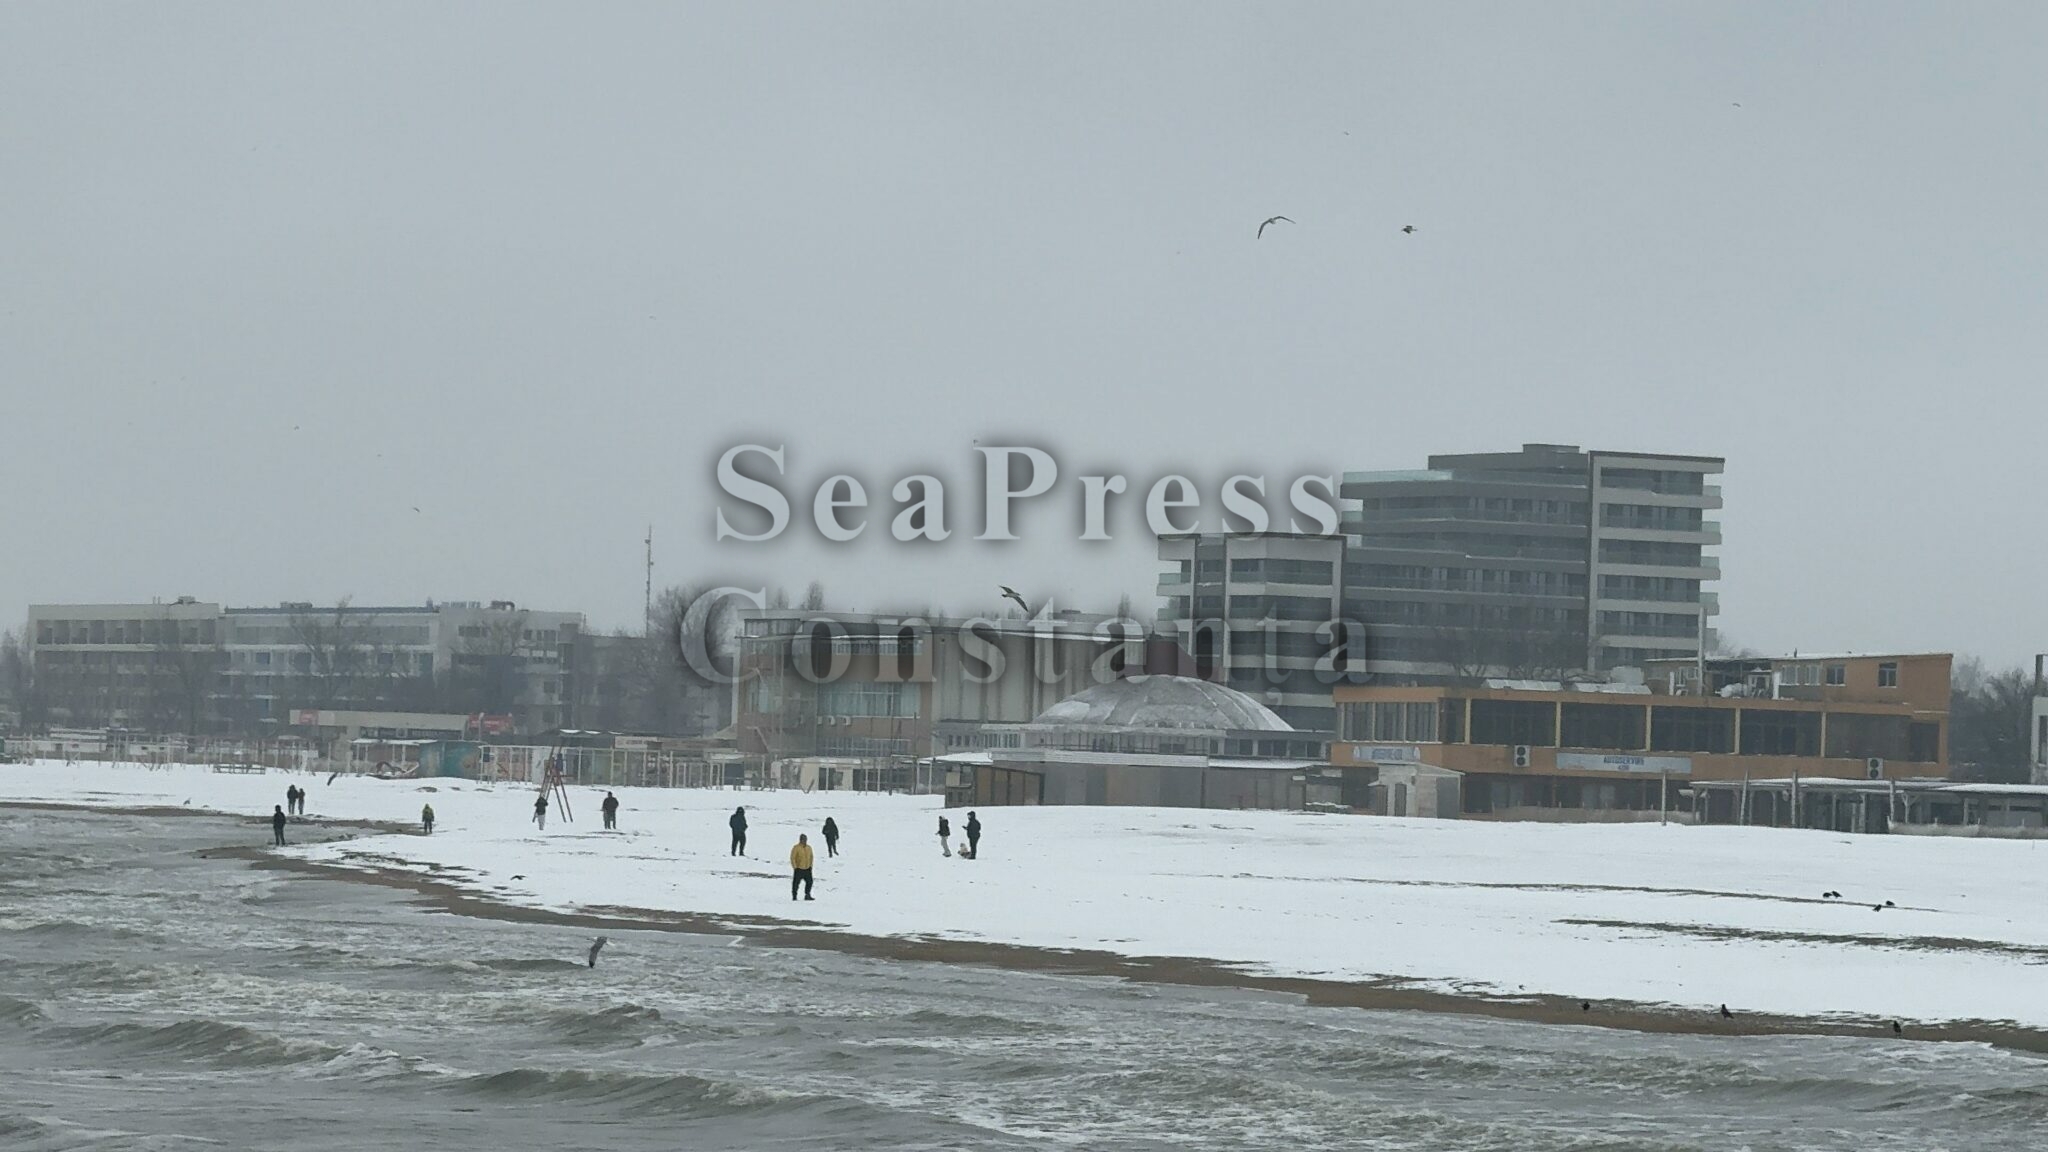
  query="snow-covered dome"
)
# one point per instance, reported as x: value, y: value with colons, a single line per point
x: 1162, y: 702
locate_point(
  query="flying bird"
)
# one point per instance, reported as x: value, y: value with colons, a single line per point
x: 1408, y: 228
x: 1010, y: 593
x: 595, y: 949
x: 415, y: 507
x: 1271, y: 220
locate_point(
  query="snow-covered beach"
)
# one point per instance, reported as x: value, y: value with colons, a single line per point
x: 1680, y: 916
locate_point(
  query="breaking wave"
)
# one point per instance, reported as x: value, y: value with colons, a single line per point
x: 625, y: 1093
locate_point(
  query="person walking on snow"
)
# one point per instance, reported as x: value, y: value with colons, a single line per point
x: 831, y: 837
x: 277, y: 824
x: 973, y: 837
x: 738, y: 823
x: 800, y: 867
x: 945, y: 836
x: 540, y: 811
x: 611, y: 812
x: 427, y: 818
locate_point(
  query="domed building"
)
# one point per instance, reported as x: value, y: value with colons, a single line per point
x: 1166, y: 741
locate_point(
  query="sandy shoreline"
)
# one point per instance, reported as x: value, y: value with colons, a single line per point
x: 1394, y: 995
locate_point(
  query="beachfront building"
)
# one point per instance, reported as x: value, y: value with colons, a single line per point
x: 1152, y: 741
x: 1545, y: 563
x: 874, y: 691
x: 1563, y: 750
x: 191, y: 666
x: 1264, y: 615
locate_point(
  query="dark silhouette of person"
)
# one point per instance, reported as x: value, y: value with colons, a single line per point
x: 611, y: 811
x: 800, y: 861
x: 831, y: 831
x: 427, y: 818
x: 973, y: 837
x: 540, y: 811
x: 738, y: 824
x: 277, y: 824
x: 945, y: 836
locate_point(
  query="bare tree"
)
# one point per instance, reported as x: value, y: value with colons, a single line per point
x: 335, y: 656
x: 18, y: 683
x: 1989, y: 716
x: 183, y: 670
x: 814, y: 598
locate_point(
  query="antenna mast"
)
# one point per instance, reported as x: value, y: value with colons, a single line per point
x: 647, y: 598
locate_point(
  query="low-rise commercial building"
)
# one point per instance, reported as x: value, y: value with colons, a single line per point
x: 1547, y: 750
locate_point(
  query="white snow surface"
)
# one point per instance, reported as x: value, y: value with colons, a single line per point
x: 1678, y: 915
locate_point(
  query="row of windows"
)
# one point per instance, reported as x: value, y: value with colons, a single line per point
x: 1282, y: 571
x: 1483, y: 544
x: 1657, y: 552
x: 1671, y: 588
x: 1389, y: 721
x: 1675, y: 483
x: 870, y: 698
x: 1279, y: 608
x: 1649, y: 624
x: 1650, y: 516
x: 1491, y: 508
x: 1515, y: 581
x: 158, y: 631
x: 1677, y: 728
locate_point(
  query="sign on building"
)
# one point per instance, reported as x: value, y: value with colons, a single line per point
x: 1623, y: 762
x: 1386, y: 753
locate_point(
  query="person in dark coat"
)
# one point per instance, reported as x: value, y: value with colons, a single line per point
x: 540, y: 811
x: 611, y: 811
x: 973, y: 837
x: 291, y: 798
x: 277, y: 824
x: 738, y: 823
x: 427, y: 819
x: 831, y: 837
x: 945, y: 836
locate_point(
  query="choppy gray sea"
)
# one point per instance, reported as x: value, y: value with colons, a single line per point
x: 152, y: 999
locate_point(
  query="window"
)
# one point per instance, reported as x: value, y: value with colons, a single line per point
x: 1514, y: 722
x: 1613, y: 726
x: 1923, y: 742
x: 1393, y: 721
x: 1776, y: 732
x: 1838, y: 675
x: 1888, y: 674
x: 1676, y: 729
x: 1854, y: 736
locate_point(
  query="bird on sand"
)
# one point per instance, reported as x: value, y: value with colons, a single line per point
x: 1010, y: 593
x: 1726, y: 1014
x: 1896, y: 1030
x: 1270, y: 220
x: 1408, y: 228
x: 1585, y: 1005
x: 595, y: 949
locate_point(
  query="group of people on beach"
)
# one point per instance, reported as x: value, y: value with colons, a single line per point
x: 802, y: 858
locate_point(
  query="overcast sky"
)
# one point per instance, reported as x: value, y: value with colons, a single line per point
x: 272, y: 277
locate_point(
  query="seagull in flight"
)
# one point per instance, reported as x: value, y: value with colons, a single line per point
x: 595, y: 949
x: 1408, y: 228
x: 1010, y: 593
x: 1271, y: 220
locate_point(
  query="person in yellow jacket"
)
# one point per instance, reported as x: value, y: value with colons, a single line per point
x: 800, y: 867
